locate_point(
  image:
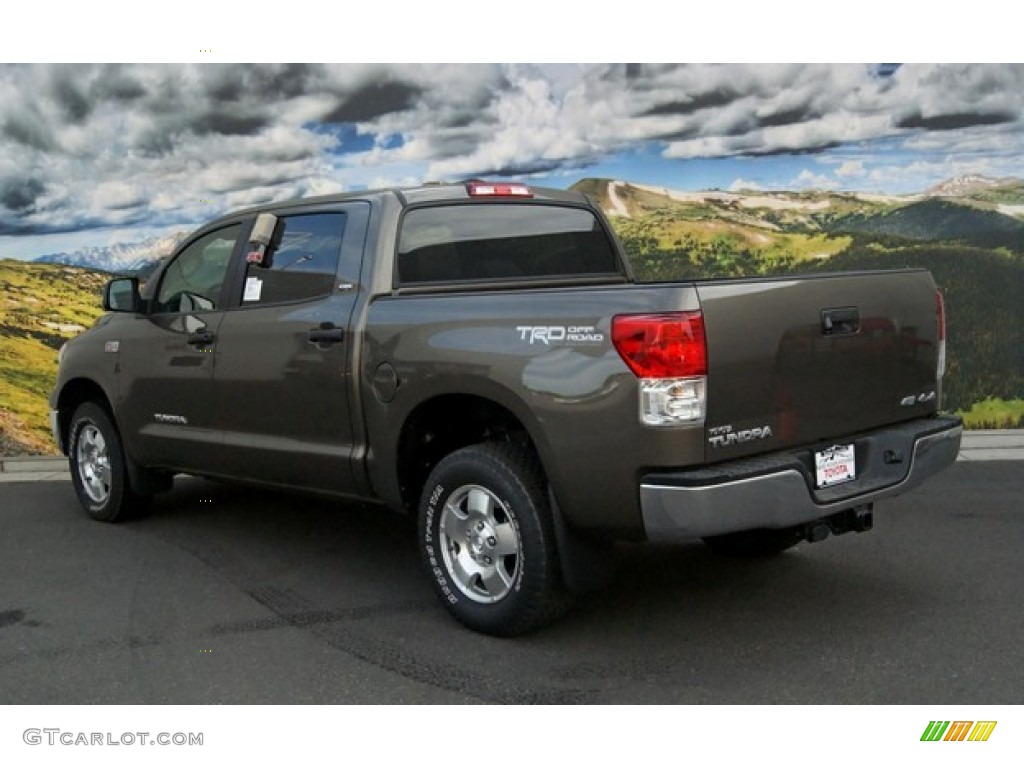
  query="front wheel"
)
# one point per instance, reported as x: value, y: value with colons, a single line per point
x: 487, y: 540
x: 98, y: 469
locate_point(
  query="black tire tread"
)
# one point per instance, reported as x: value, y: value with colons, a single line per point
x: 556, y: 599
x: 547, y: 598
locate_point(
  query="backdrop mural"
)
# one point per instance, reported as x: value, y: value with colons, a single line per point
x: 736, y: 169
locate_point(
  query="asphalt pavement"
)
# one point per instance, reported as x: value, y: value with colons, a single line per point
x: 232, y: 595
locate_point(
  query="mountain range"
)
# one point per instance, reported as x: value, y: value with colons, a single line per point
x: 1004, y: 195
x: 972, y: 208
x: 119, y: 257
x: 970, y: 185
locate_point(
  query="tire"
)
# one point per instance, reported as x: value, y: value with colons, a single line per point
x: 762, y: 542
x: 98, y: 468
x: 487, y: 540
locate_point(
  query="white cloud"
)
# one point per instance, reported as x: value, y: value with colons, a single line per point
x: 89, y: 146
x: 808, y: 180
x: 850, y: 169
x: 740, y: 185
x: 920, y: 174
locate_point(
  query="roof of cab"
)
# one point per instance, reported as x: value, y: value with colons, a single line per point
x: 426, y: 193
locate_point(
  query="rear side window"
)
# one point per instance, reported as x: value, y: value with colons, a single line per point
x: 487, y: 242
x: 303, y: 261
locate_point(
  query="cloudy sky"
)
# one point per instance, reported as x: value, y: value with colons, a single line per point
x: 97, y: 154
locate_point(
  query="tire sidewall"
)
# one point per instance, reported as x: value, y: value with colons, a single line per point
x: 468, y: 468
x: 109, y: 510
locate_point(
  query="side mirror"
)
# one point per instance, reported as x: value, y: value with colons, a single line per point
x: 122, y: 295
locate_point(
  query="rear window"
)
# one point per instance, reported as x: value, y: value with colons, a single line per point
x: 487, y: 242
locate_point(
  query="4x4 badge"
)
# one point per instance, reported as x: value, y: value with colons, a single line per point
x: 924, y: 397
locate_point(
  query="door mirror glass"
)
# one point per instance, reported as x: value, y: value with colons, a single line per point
x: 122, y: 295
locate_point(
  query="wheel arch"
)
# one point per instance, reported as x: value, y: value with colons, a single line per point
x: 488, y: 412
x: 84, y: 390
x: 72, y: 394
x: 445, y: 422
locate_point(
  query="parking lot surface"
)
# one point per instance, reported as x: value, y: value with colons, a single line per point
x: 233, y: 595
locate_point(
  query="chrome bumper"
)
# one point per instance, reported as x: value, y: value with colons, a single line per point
x: 775, y: 499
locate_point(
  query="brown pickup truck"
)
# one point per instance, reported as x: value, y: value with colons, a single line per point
x: 481, y: 355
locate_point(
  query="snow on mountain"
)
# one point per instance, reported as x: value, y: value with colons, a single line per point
x: 119, y: 257
x: 963, y: 185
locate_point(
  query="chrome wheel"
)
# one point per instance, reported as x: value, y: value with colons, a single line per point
x: 93, y: 463
x: 480, y: 544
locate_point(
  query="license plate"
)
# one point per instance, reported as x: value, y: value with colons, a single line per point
x: 834, y: 465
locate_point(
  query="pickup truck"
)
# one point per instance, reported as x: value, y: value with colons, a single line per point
x: 482, y: 356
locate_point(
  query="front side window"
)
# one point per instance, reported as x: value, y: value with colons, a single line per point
x: 194, y: 279
x: 301, y: 262
x: 486, y: 242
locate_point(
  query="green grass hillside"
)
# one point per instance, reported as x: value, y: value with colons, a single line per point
x: 939, y: 220
x: 41, y: 306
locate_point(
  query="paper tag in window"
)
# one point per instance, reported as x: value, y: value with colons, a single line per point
x: 253, y: 289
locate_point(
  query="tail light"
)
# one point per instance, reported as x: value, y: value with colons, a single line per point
x: 668, y: 353
x: 940, y: 333
x: 486, y: 189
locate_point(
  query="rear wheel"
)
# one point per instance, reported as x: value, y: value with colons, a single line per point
x: 98, y: 468
x: 487, y: 540
x: 762, y: 542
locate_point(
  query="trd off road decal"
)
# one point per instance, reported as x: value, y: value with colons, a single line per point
x: 547, y: 334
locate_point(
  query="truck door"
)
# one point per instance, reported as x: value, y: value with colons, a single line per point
x: 283, y: 382
x: 166, y: 358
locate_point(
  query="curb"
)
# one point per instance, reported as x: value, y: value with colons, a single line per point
x: 33, y: 463
x: 33, y: 469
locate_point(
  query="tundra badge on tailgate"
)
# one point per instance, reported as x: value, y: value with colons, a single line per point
x: 725, y: 435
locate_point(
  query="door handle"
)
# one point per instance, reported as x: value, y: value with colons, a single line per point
x: 201, y: 338
x: 327, y: 333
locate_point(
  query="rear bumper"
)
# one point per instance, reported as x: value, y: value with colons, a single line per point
x: 776, y: 491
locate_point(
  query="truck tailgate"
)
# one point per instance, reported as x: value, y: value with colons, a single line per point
x: 807, y: 360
